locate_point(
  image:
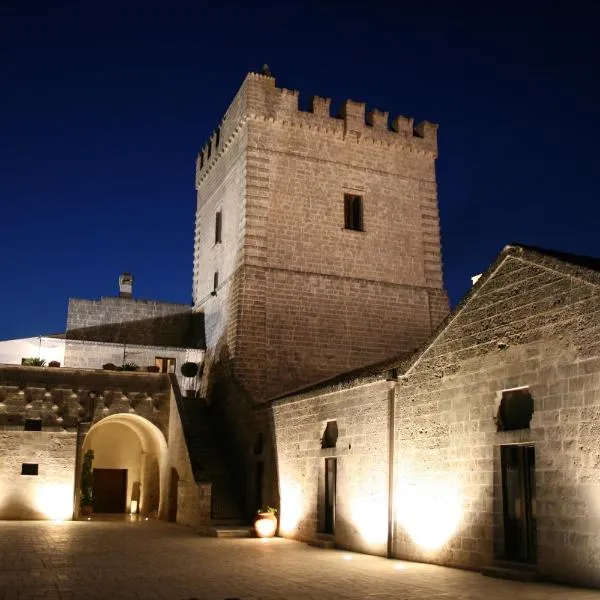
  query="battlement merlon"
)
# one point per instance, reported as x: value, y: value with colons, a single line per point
x: 258, y: 97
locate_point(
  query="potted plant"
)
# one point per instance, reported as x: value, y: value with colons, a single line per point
x: 265, y: 523
x: 189, y: 370
x: 33, y: 362
x: 86, y: 484
x: 128, y: 366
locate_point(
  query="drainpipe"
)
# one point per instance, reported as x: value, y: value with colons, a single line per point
x: 392, y: 380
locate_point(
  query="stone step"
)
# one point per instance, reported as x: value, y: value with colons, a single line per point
x: 516, y: 572
x: 232, y: 531
x: 321, y: 543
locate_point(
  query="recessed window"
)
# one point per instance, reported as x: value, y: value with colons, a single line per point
x: 29, y: 469
x: 215, y: 281
x: 218, y: 220
x: 165, y: 364
x: 259, y: 443
x: 33, y: 424
x: 201, y: 159
x: 515, y: 410
x: 209, y: 149
x: 217, y: 137
x: 330, y: 435
x: 353, y: 212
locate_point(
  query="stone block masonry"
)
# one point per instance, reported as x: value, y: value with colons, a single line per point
x: 126, y: 320
x: 531, y: 324
x: 299, y: 293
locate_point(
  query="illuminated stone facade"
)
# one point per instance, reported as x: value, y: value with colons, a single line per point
x: 49, y: 417
x: 294, y: 286
x: 301, y: 293
x: 530, y: 325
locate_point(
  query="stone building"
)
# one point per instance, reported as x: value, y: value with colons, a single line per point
x: 317, y: 250
x: 479, y: 451
x: 470, y: 440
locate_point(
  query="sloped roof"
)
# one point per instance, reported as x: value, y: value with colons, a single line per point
x: 587, y: 267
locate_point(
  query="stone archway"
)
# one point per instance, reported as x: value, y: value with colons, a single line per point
x: 130, y: 446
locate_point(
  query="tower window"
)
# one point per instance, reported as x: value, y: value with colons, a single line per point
x: 215, y: 281
x: 217, y: 137
x: 218, y: 221
x: 353, y: 212
x: 209, y: 149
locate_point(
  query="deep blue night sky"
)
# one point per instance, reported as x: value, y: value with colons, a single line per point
x: 103, y: 110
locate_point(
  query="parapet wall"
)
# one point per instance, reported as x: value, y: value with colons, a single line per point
x: 260, y: 99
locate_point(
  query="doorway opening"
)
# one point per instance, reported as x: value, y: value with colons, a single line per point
x: 330, y: 494
x: 518, y: 500
x: 110, y: 490
x: 129, y: 465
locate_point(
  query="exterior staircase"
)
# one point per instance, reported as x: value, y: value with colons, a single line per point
x: 208, y: 465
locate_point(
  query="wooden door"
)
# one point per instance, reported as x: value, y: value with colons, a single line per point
x: 110, y: 490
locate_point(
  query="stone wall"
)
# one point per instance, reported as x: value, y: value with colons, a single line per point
x: 528, y: 325
x: 362, y: 416
x: 130, y: 321
x: 298, y: 294
x: 531, y: 324
x: 47, y: 495
x: 62, y: 399
x: 83, y: 354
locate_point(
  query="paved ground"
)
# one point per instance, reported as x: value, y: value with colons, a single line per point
x: 153, y: 560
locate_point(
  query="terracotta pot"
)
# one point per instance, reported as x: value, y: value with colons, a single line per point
x: 265, y: 524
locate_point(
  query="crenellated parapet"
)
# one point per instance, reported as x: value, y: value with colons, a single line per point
x: 260, y: 100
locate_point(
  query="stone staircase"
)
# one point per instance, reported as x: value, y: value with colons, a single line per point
x: 516, y: 571
x: 208, y: 465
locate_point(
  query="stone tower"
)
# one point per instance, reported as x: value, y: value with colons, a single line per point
x: 317, y: 245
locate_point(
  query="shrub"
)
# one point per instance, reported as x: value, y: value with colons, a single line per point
x: 189, y: 369
x: 54, y: 363
x: 110, y: 367
x: 33, y: 362
x: 128, y: 366
x: 86, y: 483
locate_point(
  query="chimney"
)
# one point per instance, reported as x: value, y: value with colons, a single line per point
x: 125, y: 285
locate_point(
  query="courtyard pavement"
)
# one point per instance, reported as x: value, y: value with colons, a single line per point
x: 153, y: 560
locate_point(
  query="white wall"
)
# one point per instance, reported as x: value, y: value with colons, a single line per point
x: 12, y: 351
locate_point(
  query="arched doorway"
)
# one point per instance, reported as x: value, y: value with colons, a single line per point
x: 130, y: 455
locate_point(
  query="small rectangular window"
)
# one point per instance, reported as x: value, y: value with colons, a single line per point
x: 165, y: 364
x: 216, y: 281
x: 201, y: 159
x: 33, y: 424
x: 217, y: 137
x: 29, y: 469
x: 353, y: 212
x: 218, y: 220
x: 209, y: 149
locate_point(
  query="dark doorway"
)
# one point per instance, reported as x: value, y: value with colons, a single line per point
x: 173, y: 495
x: 259, y: 477
x: 330, y: 493
x: 110, y: 490
x: 518, y: 496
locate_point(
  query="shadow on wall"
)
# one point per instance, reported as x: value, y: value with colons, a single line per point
x: 245, y: 431
x: 182, y: 330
